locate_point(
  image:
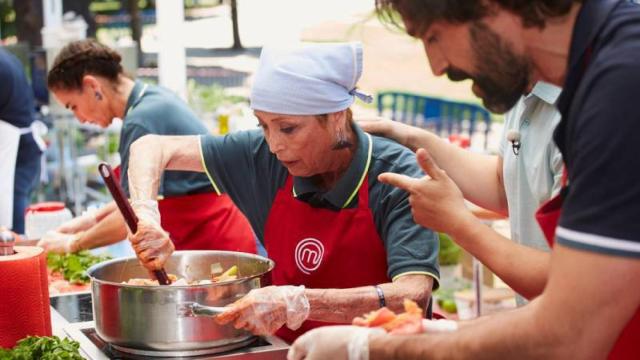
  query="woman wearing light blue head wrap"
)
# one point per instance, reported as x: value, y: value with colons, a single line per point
x: 344, y: 243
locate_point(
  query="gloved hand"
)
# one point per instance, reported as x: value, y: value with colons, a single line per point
x: 335, y: 343
x: 263, y: 311
x: 60, y: 243
x: 439, y: 326
x: 79, y: 223
x: 151, y: 244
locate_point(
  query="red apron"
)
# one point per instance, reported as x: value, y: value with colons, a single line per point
x: 205, y: 221
x: 321, y: 248
x: 626, y: 347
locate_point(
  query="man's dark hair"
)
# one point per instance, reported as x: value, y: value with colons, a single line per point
x: 423, y: 13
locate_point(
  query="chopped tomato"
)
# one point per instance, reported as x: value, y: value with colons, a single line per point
x: 411, y: 307
x: 402, y: 320
x: 409, y: 322
x: 375, y: 318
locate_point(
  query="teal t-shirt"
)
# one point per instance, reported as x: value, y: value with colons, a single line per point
x: 241, y: 165
x: 156, y: 110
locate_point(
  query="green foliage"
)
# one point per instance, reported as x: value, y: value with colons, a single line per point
x: 7, y: 19
x: 449, y: 252
x: 445, y: 300
x: 205, y: 98
x: 43, y: 348
x: 73, y: 267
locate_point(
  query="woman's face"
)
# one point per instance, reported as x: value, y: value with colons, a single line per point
x: 85, y: 104
x: 302, y: 143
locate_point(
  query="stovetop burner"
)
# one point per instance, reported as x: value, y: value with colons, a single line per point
x: 118, y: 352
x: 94, y: 348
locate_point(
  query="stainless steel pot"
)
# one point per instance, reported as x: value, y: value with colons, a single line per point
x: 153, y: 317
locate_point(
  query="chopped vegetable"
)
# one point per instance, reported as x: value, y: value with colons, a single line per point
x: 375, y: 318
x: 43, y: 348
x: 230, y: 274
x: 409, y: 321
x: 175, y: 281
x: 216, y: 269
x: 74, y: 266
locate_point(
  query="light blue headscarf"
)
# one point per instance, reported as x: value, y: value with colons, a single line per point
x: 310, y: 79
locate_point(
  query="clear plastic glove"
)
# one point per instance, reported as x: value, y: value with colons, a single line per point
x: 146, y: 210
x: 60, y: 243
x: 78, y: 224
x: 439, y: 326
x: 335, y: 343
x: 152, y: 244
x: 263, y: 311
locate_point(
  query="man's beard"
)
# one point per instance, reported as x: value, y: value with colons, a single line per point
x: 503, y: 76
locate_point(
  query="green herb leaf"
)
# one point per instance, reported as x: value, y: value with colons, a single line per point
x: 43, y: 348
x: 73, y: 267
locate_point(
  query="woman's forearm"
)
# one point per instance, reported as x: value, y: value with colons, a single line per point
x: 106, y: 232
x: 342, y: 305
x: 523, y: 268
x: 150, y: 155
x: 105, y: 211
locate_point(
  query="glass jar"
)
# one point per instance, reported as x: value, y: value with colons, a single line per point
x: 43, y: 217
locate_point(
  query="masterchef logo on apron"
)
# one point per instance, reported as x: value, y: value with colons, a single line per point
x: 309, y: 253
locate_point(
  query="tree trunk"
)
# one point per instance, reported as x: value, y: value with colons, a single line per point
x: 136, y: 27
x: 29, y: 21
x: 237, y: 45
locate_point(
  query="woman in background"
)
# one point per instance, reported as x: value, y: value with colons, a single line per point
x: 87, y: 78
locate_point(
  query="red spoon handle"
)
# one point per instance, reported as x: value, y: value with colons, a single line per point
x: 130, y: 217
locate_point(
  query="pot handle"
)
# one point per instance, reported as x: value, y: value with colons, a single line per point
x: 195, y: 309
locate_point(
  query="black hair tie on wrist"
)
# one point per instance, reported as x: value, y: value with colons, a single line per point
x: 381, y: 299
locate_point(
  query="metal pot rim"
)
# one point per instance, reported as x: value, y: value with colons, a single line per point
x: 98, y: 266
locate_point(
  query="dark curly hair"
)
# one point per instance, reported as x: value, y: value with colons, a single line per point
x: 422, y: 13
x: 80, y: 58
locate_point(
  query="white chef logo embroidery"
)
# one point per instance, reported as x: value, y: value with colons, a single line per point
x: 309, y: 254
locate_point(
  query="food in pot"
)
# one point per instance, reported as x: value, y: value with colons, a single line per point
x: 230, y: 274
x: 409, y: 321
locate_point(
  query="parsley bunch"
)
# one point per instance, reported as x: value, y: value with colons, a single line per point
x: 43, y: 348
x: 73, y: 267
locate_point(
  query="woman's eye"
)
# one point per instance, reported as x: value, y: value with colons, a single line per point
x: 432, y: 39
x: 288, y: 130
